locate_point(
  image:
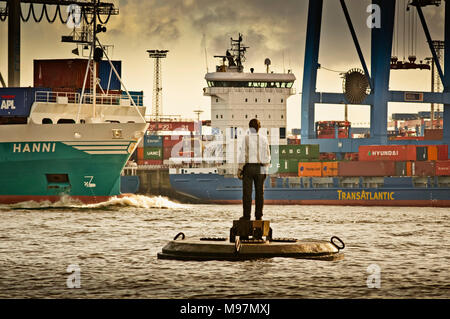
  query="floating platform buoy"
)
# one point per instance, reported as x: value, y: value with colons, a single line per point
x: 246, y: 242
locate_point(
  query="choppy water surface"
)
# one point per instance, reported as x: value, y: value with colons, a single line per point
x: 115, y: 245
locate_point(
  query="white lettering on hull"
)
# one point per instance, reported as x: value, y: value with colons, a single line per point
x: 8, y: 105
x: 34, y: 148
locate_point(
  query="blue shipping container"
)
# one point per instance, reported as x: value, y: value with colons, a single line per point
x: 153, y: 141
x: 104, y: 73
x: 17, y: 101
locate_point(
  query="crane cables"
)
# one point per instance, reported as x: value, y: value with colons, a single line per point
x: 45, y: 11
x: 107, y: 18
x: 396, y: 30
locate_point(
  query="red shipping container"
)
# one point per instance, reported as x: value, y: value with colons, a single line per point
x: 167, y: 152
x: 293, y: 141
x: 442, y: 168
x: 171, y: 126
x: 387, y: 153
x: 61, y: 73
x: 422, y: 168
x: 351, y: 156
x: 327, y: 156
x: 433, y: 134
x: 369, y: 168
x: 442, y: 152
x: 170, y: 141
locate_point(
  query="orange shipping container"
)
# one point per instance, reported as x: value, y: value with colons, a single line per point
x: 408, y: 168
x: 329, y: 168
x: 432, y: 152
x: 140, y: 153
x: 310, y: 169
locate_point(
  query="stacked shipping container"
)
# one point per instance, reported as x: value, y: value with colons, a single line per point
x: 306, y: 160
x: 70, y: 73
x: 383, y: 160
x: 368, y: 168
x: 410, y: 160
x: 157, y: 148
x: 286, y: 158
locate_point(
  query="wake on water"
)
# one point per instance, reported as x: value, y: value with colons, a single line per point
x: 137, y: 201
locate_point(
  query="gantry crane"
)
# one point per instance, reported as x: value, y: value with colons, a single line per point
x: 371, y: 88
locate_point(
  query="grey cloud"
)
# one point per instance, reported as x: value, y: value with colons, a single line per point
x: 270, y: 28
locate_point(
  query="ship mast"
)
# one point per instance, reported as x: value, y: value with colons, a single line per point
x: 235, y: 56
x: 239, y: 52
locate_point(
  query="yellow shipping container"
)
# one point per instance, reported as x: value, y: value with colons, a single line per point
x: 310, y: 169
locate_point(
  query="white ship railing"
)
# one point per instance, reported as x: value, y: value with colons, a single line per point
x: 219, y: 90
x: 73, y: 97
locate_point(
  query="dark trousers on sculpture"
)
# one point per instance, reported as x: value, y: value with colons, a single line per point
x: 252, y: 176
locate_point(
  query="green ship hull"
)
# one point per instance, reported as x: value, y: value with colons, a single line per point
x: 49, y: 169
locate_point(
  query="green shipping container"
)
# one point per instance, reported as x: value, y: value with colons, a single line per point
x: 299, y: 152
x: 153, y: 153
x: 284, y: 166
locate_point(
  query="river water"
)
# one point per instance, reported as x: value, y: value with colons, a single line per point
x: 112, y: 248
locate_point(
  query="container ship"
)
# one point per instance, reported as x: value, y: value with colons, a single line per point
x: 66, y: 135
x: 203, y: 166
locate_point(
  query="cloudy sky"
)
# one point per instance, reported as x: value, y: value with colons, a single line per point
x: 273, y: 29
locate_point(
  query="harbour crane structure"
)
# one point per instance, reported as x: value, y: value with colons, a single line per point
x: 364, y: 88
x: 90, y: 11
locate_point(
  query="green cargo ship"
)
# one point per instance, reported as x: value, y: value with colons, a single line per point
x: 52, y: 145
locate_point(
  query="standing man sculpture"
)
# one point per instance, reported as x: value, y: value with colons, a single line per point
x: 254, y: 161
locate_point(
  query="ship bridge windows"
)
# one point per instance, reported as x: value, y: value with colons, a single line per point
x: 252, y: 84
